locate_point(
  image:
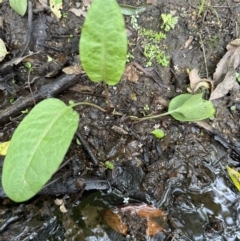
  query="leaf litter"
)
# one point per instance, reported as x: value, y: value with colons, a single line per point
x: 225, y: 75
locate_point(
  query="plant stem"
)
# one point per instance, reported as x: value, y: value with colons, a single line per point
x: 201, y: 7
x: 87, y: 103
x: 107, y: 97
x: 151, y: 117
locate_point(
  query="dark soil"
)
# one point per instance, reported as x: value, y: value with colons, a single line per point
x: 183, y: 175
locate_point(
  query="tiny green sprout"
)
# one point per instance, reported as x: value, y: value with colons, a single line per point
x: 233, y: 107
x: 169, y: 21
x: 158, y: 133
x: 25, y: 111
x: 11, y: 100
x: 29, y: 67
x: 238, y: 76
x: 146, y: 107
x: 70, y: 37
x: 129, y: 57
x: 78, y: 142
x: 109, y: 165
x: 64, y: 15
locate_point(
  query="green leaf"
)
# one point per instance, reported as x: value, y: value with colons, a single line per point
x: 235, y: 177
x: 130, y: 10
x: 187, y: 107
x: 20, y: 6
x: 158, y: 133
x: 103, y: 43
x: 37, y: 148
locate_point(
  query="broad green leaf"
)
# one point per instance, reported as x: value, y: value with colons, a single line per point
x: 3, y: 50
x: 37, y: 148
x: 20, y: 6
x: 103, y: 43
x: 4, y: 148
x: 187, y: 107
x: 235, y: 177
x: 130, y: 10
x: 158, y: 133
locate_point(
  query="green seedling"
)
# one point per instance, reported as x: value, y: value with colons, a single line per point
x: 151, y: 41
x: 103, y: 43
x: 158, y: 133
x: 169, y: 22
x: 186, y: 107
x: 29, y: 67
x: 109, y: 165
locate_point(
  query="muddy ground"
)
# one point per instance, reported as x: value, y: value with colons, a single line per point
x: 175, y: 188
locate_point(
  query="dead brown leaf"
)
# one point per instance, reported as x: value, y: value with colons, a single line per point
x: 74, y: 69
x: 225, y: 75
x: 81, y: 88
x: 86, y: 3
x: 229, y: 83
x: 153, y: 2
x: 78, y: 12
x: 196, y: 81
x: 131, y: 74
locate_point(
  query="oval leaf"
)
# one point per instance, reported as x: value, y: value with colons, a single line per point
x: 188, y: 107
x: 103, y: 43
x: 158, y: 133
x: 20, y: 6
x: 37, y: 148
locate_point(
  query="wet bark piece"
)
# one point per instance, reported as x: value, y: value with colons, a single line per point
x: 49, y: 90
x: 70, y: 186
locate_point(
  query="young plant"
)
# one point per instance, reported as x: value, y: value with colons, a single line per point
x: 169, y: 21
x: 186, y: 107
x: 42, y: 139
x: 103, y: 43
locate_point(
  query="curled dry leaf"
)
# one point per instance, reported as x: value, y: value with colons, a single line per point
x: 229, y: 83
x: 153, y: 2
x: 196, y: 81
x: 75, y: 69
x: 131, y: 74
x: 86, y: 3
x: 78, y: 12
x: 224, y: 75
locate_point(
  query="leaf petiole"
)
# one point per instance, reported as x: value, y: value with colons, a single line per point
x: 87, y: 103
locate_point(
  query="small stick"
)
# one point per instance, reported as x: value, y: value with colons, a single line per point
x: 204, y: 55
x: 87, y: 148
x: 107, y: 97
x: 30, y: 88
